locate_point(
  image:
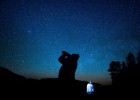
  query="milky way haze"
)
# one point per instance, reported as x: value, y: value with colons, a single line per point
x: 34, y: 32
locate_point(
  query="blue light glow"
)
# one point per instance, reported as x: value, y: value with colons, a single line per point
x: 90, y: 88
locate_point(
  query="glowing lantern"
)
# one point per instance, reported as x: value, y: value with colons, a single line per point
x: 90, y: 88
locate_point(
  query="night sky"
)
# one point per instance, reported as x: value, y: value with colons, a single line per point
x: 34, y: 32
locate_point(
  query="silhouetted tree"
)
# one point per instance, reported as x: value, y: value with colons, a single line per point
x: 130, y: 60
x: 114, y: 69
x: 125, y: 76
x: 138, y: 58
x: 124, y: 68
x: 123, y: 64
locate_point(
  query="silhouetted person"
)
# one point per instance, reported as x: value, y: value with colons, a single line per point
x: 69, y: 66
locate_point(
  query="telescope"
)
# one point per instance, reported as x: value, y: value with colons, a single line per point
x: 66, y: 53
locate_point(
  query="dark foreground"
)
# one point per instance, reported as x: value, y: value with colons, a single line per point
x: 13, y: 85
x: 47, y: 88
x: 54, y: 88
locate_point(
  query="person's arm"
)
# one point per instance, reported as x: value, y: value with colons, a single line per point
x: 66, y: 53
x: 61, y: 59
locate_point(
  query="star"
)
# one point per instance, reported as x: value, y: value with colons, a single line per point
x: 23, y: 61
x: 29, y: 31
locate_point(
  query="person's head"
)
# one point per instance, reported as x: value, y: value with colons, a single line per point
x: 75, y: 56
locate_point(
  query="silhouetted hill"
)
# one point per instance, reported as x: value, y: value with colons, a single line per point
x: 6, y: 74
x: 17, y: 85
x: 75, y: 87
x: 44, y: 87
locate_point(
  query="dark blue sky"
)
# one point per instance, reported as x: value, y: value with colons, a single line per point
x: 34, y: 32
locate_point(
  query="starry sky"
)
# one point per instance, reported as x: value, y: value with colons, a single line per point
x: 34, y: 32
